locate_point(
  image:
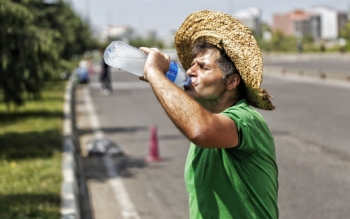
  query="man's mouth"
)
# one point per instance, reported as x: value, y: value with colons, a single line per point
x: 187, y: 88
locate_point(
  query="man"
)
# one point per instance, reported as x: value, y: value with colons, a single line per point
x: 231, y: 169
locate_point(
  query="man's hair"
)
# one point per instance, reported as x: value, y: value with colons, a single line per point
x: 224, y: 62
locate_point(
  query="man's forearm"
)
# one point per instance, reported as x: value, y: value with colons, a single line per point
x: 185, y: 112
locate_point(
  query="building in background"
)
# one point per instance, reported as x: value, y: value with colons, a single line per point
x: 296, y: 23
x: 151, y: 34
x: 331, y: 21
x: 319, y: 22
x: 251, y: 17
x: 123, y: 33
x: 322, y: 23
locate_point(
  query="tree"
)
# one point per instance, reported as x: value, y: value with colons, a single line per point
x: 283, y: 43
x: 75, y: 33
x: 28, y: 53
x: 36, y: 40
x: 345, y: 34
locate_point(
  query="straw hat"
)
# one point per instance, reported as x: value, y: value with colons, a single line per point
x: 226, y: 32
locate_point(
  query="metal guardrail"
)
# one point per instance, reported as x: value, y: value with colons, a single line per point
x: 305, y: 56
x: 322, y: 74
x: 70, y: 205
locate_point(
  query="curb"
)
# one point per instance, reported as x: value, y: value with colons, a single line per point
x: 69, y: 188
x: 334, y: 75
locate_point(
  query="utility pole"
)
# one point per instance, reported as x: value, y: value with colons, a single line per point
x: 230, y: 7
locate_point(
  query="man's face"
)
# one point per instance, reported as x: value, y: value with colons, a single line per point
x: 206, y: 77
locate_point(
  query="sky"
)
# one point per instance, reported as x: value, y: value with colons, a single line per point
x: 167, y: 15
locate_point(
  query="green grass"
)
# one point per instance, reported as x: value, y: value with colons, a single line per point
x: 30, y: 156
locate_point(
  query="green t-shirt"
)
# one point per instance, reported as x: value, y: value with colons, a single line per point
x: 239, y: 182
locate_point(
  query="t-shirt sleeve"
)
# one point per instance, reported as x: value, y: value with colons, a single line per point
x: 246, y: 127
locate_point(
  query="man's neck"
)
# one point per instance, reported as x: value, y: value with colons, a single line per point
x: 218, y: 106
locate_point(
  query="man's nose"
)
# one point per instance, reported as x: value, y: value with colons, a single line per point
x: 191, y: 71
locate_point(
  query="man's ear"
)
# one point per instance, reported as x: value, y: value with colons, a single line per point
x: 232, y: 81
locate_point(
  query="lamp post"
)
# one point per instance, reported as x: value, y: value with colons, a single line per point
x: 87, y: 3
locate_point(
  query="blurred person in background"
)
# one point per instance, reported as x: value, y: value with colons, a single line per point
x: 82, y: 72
x: 105, y: 79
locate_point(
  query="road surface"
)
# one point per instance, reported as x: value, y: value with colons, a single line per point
x: 310, y: 125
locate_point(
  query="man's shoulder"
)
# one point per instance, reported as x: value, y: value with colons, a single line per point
x: 240, y: 106
x: 243, y: 111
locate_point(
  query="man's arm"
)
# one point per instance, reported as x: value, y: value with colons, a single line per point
x: 195, y: 122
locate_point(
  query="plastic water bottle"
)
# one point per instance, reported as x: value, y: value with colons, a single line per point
x: 125, y: 57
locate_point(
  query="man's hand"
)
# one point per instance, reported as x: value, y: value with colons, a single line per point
x: 157, y: 64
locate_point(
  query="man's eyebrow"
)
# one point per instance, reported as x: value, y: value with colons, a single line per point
x: 198, y: 61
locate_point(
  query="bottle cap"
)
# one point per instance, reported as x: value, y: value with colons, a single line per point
x: 188, y: 82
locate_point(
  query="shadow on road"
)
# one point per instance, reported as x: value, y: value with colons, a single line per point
x: 113, y: 130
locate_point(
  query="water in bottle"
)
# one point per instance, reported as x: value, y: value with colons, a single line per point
x: 123, y: 56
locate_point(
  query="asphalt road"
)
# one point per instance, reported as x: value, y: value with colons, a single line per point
x: 310, y: 125
x: 312, y: 132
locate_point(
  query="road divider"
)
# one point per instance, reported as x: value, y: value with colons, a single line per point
x: 322, y: 74
x: 70, y: 205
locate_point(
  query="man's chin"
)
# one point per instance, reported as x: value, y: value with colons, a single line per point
x: 189, y: 91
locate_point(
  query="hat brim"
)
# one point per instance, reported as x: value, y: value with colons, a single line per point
x: 226, y: 32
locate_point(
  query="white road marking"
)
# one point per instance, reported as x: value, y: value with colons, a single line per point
x: 126, y: 205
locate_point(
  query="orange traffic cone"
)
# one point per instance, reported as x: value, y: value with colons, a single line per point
x: 153, y: 147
